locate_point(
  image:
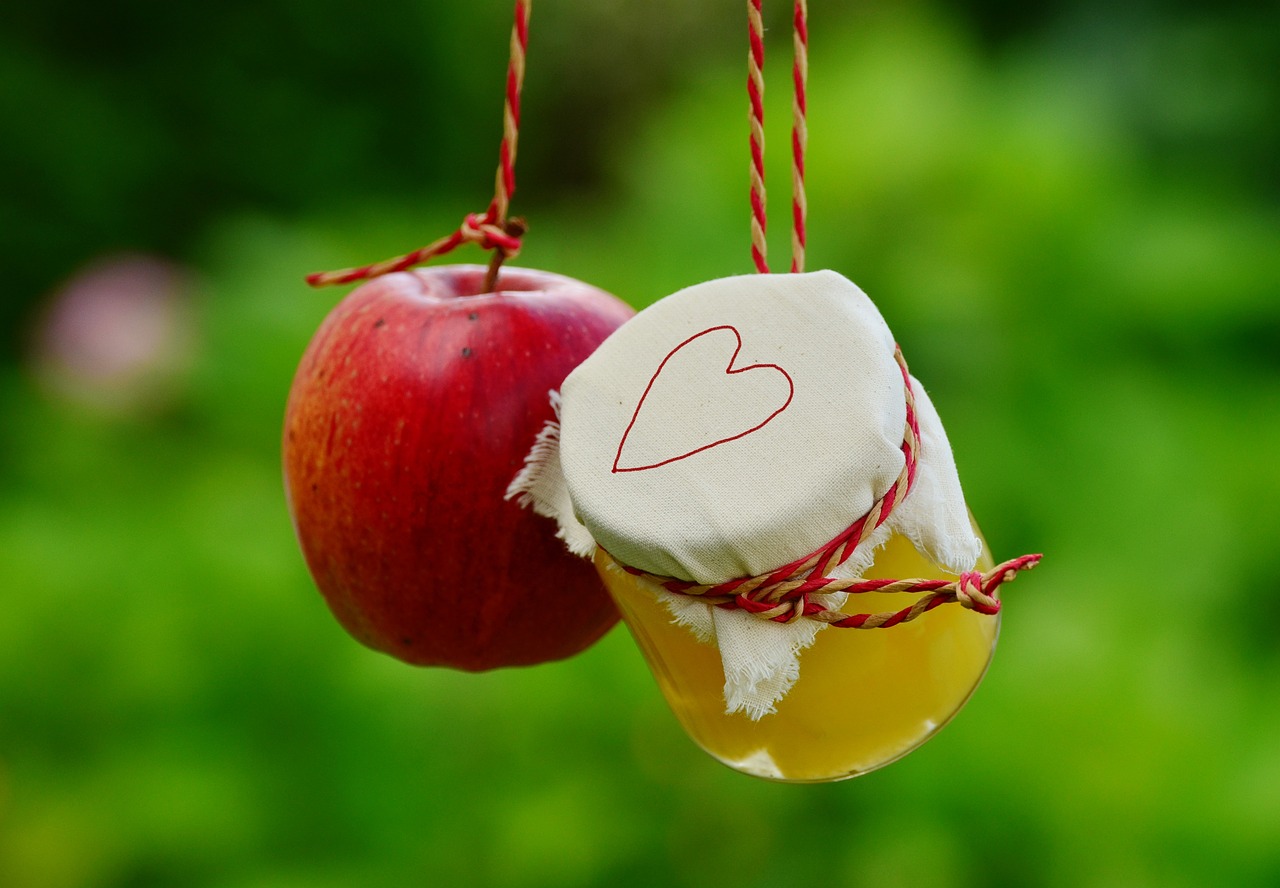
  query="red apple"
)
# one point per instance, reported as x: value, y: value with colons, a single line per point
x: 412, y: 410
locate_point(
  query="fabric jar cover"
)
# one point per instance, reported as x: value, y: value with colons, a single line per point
x: 735, y: 426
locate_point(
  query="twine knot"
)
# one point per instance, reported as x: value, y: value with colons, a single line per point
x: 485, y: 231
x: 759, y: 604
x: 971, y: 594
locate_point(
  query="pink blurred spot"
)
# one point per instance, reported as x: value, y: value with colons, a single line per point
x: 118, y: 335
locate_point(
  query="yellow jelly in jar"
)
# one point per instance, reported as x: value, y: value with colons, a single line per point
x: 864, y: 698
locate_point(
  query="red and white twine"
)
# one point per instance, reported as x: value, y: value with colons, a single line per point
x: 799, y: 133
x: 492, y: 230
x: 783, y: 595
x: 755, y: 95
x: 505, y: 180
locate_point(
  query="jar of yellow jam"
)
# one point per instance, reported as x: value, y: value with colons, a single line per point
x: 760, y: 425
x: 864, y: 698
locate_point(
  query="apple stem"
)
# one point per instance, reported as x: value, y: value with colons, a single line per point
x: 491, y: 276
x: 492, y: 230
x: 515, y: 229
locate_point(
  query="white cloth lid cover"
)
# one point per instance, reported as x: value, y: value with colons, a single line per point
x: 733, y: 427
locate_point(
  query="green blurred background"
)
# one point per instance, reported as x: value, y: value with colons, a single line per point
x: 1067, y: 211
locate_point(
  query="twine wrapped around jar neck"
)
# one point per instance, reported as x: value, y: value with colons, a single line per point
x: 785, y: 595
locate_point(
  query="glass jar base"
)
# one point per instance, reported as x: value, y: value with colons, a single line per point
x: 864, y: 698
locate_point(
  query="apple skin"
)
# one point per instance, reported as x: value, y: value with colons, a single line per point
x: 412, y: 409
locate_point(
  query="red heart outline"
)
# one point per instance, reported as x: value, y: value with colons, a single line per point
x: 729, y: 371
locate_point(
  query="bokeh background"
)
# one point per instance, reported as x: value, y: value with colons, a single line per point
x: 1067, y: 211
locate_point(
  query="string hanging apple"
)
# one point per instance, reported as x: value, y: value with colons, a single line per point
x: 412, y: 409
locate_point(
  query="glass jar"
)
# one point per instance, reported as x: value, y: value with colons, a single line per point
x: 864, y: 698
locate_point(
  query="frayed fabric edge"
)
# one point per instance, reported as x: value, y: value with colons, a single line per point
x: 540, y: 485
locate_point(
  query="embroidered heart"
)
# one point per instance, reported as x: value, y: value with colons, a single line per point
x: 696, y: 400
